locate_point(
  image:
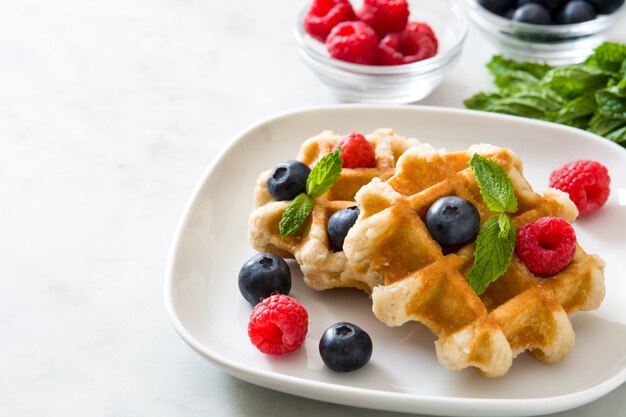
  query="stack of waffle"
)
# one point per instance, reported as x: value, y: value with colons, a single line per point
x: 421, y: 281
x: 390, y: 253
x: 322, y: 268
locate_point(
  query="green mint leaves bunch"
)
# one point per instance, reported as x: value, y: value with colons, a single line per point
x: 323, y: 176
x: 496, y: 239
x: 590, y: 96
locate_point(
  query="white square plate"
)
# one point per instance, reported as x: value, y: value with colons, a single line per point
x: 211, y: 245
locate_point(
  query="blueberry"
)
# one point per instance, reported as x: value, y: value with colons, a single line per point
x: 338, y: 226
x: 606, y: 6
x: 576, y: 12
x: 551, y: 5
x: 263, y: 275
x: 532, y: 13
x: 452, y: 221
x: 287, y: 180
x: 345, y: 347
x: 497, y: 6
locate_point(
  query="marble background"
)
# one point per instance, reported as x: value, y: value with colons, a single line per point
x: 109, y: 113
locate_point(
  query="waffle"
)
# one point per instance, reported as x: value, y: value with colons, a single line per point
x: 421, y: 281
x: 322, y: 268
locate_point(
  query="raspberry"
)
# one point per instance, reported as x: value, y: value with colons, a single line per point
x: 406, y: 47
x: 422, y: 28
x: 325, y: 15
x: 586, y: 182
x: 278, y: 325
x: 353, y: 42
x: 546, y: 245
x: 356, y: 151
x: 385, y: 16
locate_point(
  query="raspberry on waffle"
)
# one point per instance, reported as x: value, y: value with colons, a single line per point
x: 322, y: 268
x: 421, y: 281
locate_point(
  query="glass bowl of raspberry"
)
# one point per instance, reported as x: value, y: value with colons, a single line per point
x: 557, y: 32
x: 381, y: 51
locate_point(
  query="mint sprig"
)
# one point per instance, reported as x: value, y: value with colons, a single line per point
x: 494, y: 248
x: 494, y: 184
x: 296, y: 214
x: 495, y: 243
x: 323, y: 176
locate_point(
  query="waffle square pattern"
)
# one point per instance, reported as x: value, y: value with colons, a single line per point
x: 412, y: 278
x: 322, y: 268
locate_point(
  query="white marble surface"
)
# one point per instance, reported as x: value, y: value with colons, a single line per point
x: 109, y: 113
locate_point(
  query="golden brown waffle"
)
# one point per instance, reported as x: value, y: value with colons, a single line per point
x: 322, y: 268
x: 419, y: 281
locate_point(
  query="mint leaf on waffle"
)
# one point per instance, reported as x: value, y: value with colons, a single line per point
x: 494, y: 249
x: 495, y: 243
x: 495, y: 185
x: 323, y: 176
x: 296, y: 214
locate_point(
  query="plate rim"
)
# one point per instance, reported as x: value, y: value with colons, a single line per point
x: 405, y: 401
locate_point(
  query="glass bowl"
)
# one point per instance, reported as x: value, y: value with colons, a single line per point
x: 553, y: 44
x: 394, y: 84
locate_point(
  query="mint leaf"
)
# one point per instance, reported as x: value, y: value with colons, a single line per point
x: 604, y: 125
x: 609, y: 57
x: 496, y: 239
x: 548, y: 100
x: 494, y: 248
x: 509, y: 73
x: 516, y: 79
x: 504, y: 224
x: 517, y: 107
x: 325, y: 174
x: 571, y: 81
x: 482, y: 101
x: 612, y: 102
x: 535, y: 103
x: 495, y: 185
x: 296, y: 214
x: 575, y: 110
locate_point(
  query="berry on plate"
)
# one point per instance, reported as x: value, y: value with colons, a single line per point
x: 324, y: 15
x: 345, y: 347
x: 586, y: 182
x: 452, y: 221
x: 278, y: 325
x: 339, y: 224
x: 356, y: 151
x: 546, y: 245
x: 287, y: 180
x: 385, y: 16
x: 354, y: 42
x: 411, y: 45
x: 263, y: 275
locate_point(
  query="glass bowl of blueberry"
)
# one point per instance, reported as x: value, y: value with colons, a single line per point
x: 381, y: 51
x: 558, y: 32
